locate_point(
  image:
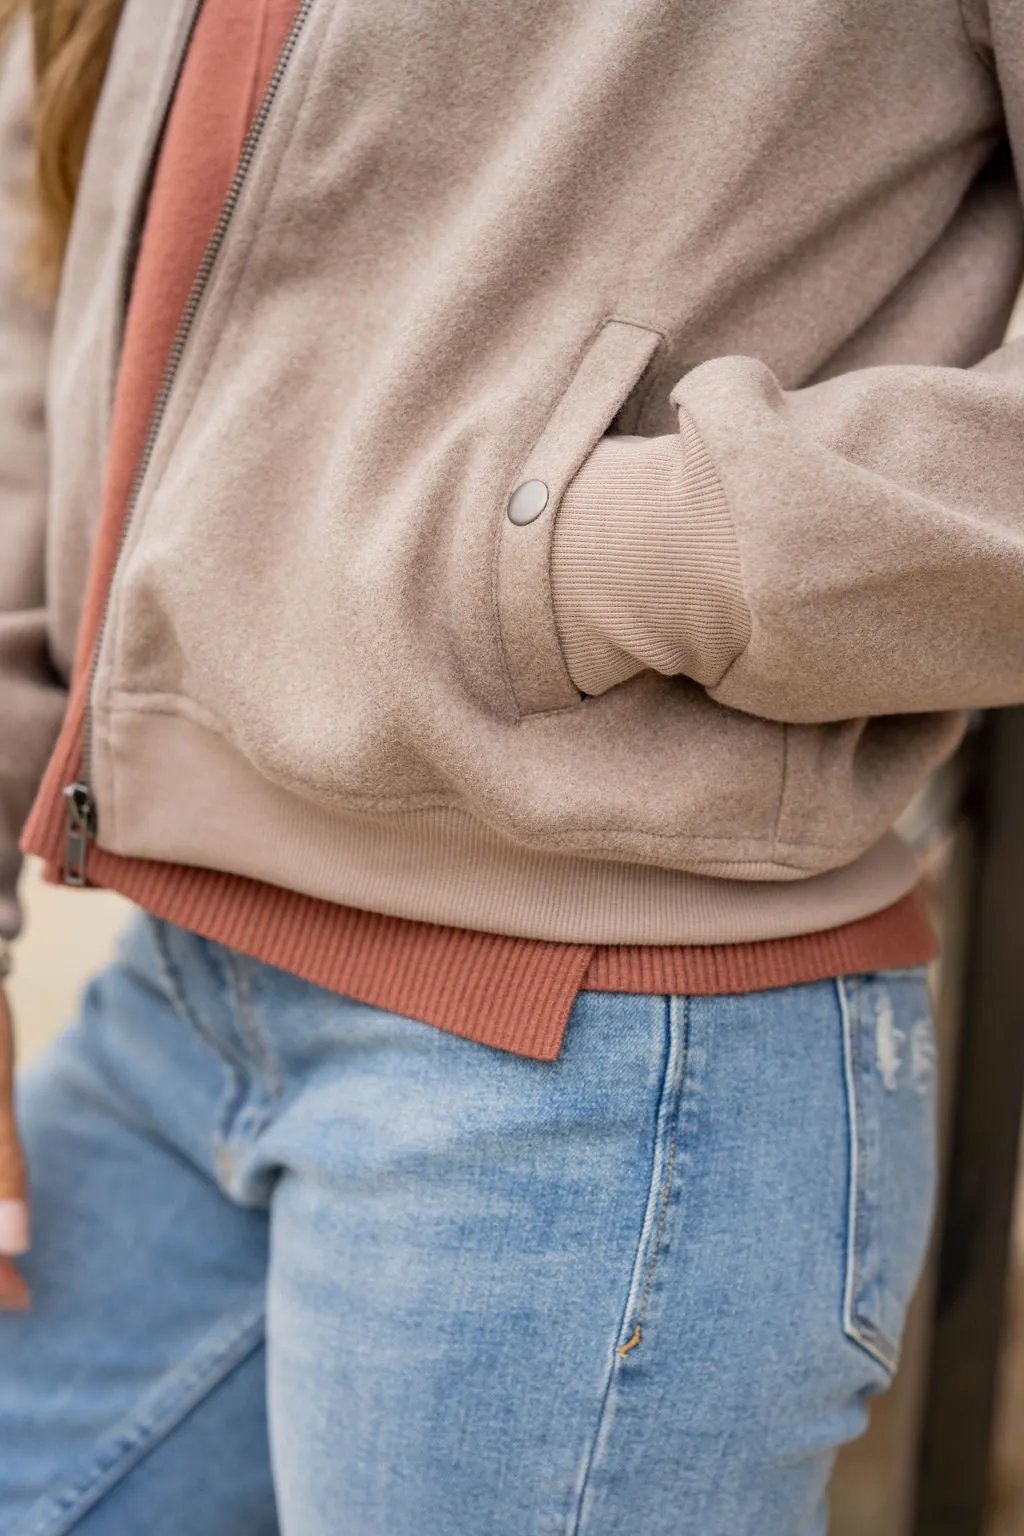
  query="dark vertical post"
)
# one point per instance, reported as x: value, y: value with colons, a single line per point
x: 977, y: 1210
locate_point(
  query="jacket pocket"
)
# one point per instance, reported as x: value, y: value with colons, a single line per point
x: 606, y: 376
x: 889, y: 1061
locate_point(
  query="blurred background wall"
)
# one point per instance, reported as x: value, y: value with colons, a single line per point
x: 67, y: 935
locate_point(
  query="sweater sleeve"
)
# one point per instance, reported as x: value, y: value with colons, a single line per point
x: 31, y: 697
x: 851, y: 548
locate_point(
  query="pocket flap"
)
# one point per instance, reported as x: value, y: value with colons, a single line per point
x: 605, y: 377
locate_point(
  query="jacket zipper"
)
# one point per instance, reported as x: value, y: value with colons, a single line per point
x: 81, y: 811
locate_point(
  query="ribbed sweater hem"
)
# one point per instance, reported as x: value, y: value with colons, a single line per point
x: 512, y: 994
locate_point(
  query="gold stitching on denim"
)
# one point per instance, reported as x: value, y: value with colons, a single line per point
x: 631, y: 1343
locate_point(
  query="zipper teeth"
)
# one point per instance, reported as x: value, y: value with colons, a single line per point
x: 181, y: 336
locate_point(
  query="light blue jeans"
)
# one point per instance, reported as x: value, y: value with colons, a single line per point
x: 304, y: 1266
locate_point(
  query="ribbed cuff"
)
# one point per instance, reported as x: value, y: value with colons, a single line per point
x: 646, y: 566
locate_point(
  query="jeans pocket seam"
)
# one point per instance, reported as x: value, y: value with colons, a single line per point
x: 859, y: 1329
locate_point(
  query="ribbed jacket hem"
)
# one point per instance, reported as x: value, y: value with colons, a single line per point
x: 512, y: 994
x: 189, y: 797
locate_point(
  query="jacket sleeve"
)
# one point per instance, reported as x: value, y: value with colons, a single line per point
x: 848, y: 549
x: 31, y: 697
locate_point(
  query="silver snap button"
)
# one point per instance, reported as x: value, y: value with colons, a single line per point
x: 527, y: 502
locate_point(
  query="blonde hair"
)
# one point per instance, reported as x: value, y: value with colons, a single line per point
x: 72, y: 41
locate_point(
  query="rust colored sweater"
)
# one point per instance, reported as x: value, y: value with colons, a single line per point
x: 507, y: 992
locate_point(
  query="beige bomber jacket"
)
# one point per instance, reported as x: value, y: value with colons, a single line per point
x: 590, y: 487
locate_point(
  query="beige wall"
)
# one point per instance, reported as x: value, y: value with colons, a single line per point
x: 67, y: 936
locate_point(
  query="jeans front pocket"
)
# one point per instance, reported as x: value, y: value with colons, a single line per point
x: 890, y: 1072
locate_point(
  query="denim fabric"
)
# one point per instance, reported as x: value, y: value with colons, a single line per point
x: 646, y: 1288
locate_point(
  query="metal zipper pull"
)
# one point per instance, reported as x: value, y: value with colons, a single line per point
x: 80, y: 810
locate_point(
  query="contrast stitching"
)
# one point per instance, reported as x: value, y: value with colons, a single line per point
x: 652, y: 1229
x: 159, y: 1412
x: 641, y: 1311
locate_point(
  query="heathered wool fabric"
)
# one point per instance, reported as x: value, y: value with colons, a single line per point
x: 473, y: 249
x: 515, y: 993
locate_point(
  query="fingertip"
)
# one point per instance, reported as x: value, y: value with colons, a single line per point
x: 15, y: 1295
x: 14, y: 1228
